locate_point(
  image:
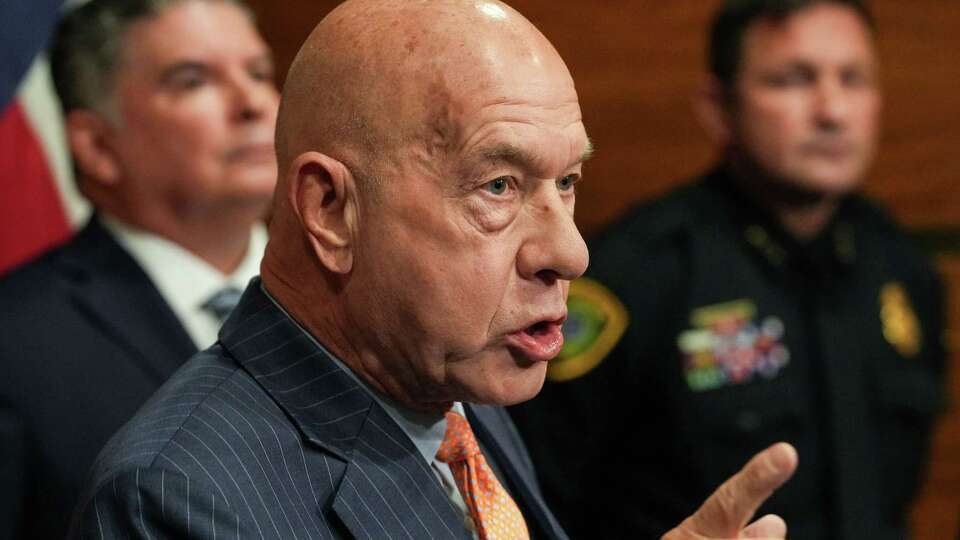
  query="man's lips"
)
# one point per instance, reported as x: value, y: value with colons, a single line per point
x: 540, y: 342
x: 252, y: 153
x: 830, y: 150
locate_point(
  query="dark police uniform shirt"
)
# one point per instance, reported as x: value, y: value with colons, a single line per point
x: 702, y: 333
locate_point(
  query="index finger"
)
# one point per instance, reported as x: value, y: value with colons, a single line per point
x: 731, y: 506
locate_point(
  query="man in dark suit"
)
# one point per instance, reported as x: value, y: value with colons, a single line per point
x: 422, y: 242
x: 170, y: 114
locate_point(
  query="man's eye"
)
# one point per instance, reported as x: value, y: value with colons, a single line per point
x: 498, y: 186
x: 791, y: 78
x: 567, y: 182
x: 189, y: 82
x: 262, y: 75
x: 856, y: 79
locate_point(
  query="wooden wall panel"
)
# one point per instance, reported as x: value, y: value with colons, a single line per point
x: 937, y: 512
x: 637, y: 64
x: 917, y: 173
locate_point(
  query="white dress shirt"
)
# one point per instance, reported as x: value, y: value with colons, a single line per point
x: 184, y: 280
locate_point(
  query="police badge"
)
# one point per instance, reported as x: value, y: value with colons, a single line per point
x: 900, y: 325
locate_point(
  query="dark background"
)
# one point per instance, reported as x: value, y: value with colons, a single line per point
x: 637, y: 64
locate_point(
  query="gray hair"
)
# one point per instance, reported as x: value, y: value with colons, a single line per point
x: 88, y: 44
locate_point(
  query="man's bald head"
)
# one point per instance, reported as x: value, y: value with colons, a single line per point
x: 378, y: 75
x: 423, y: 227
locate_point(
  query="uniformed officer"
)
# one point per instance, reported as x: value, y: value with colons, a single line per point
x: 765, y: 301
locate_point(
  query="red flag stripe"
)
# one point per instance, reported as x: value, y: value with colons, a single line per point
x: 32, y: 218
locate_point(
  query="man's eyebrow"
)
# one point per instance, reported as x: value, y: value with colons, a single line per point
x: 587, y: 151
x: 520, y: 156
x: 188, y: 66
x: 508, y: 153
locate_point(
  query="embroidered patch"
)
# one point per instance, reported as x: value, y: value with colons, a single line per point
x: 727, y: 346
x: 901, y: 327
x: 596, y: 320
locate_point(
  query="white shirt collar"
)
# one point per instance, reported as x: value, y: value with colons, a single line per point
x: 184, y: 280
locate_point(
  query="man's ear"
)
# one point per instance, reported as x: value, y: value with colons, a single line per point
x: 89, y: 135
x: 321, y: 190
x: 712, y: 104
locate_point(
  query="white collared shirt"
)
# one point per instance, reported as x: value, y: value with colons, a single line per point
x: 184, y: 280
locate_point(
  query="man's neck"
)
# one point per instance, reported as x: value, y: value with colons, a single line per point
x: 807, y: 222
x: 802, y: 214
x: 221, y: 240
x: 224, y: 249
x: 326, y: 325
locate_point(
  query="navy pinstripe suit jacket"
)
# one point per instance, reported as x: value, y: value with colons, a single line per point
x: 264, y: 436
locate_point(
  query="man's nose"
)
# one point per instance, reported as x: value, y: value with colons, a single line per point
x: 832, y: 104
x: 554, y: 250
x: 253, y: 98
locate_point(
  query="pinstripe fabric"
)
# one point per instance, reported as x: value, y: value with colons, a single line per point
x: 263, y: 436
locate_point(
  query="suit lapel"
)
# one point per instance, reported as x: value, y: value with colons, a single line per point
x: 387, y: 485
x: 498, y: 435
x: 387, y: 490
x: 114, y: 293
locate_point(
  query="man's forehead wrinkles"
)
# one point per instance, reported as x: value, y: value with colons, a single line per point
x: 540, y: 157
x: 547, y: 103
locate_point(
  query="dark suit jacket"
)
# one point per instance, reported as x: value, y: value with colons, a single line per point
x: 263, y: 435
x: 85, y: 339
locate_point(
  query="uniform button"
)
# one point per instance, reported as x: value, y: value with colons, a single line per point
x: 748, y: 420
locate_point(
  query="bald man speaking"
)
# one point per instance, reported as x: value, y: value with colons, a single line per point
x: 415, y: 281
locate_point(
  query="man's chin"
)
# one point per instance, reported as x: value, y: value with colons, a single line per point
x: 514, y: 388
x: 811, y: 189
x: 830, y: 181
x: 833, y: 188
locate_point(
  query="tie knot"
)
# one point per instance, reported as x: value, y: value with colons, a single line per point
x: 222, y: 302
x: 458, y: 442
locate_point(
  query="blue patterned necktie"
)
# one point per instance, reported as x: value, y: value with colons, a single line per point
x: 222, y: 302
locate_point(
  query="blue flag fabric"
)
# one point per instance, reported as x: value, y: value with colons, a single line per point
x: 27, y: 25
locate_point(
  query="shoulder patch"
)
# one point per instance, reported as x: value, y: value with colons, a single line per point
x: 596, y: 320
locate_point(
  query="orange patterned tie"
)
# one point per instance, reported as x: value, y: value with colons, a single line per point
x: 493, y: 511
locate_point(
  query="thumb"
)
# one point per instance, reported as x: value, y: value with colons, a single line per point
x: 769, y: 526
x: 731, y: 506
